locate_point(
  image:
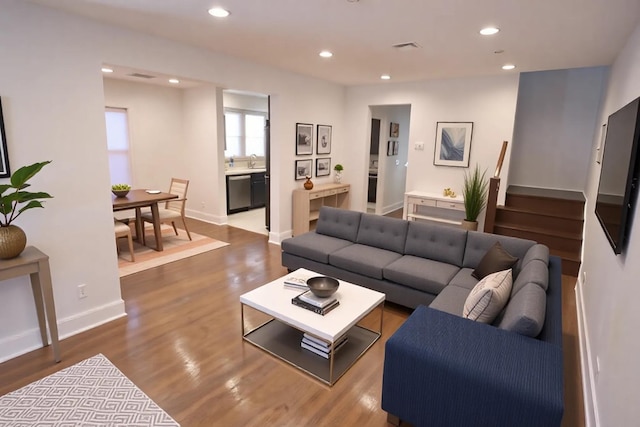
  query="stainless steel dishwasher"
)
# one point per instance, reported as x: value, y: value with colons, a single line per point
x: 238, y: 193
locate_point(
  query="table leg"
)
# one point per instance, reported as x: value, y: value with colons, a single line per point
x: 36, y: 287
x: 139, y: 226
x: 47, y: 293
x: 156, y: 226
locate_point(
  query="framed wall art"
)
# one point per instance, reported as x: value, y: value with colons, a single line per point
x: 394, y: 130
x: 304, y: 169
x: 323, y: 139
x: 453, y: 144
x: 396, y: 147
x: 323, y: 166
x: 389, y: 148
x: 4, y: 157
x: 304, y: 139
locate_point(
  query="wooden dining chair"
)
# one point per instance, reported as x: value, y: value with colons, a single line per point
x: 123, y: 230
x: 174, y: 209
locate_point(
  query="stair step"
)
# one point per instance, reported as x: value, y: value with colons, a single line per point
x: 564, y: 243
x: 570, y: 263
x: 567, y: 204
x: 545, y: 217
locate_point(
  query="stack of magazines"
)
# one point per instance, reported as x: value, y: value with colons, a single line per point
x: 296, y: 280
x: 316, y: 304
x: 320, y: 347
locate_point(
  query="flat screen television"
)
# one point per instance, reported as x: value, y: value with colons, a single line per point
x: 617, y: 189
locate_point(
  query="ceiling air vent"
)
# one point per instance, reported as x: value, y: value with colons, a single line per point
x: 406, y: 46
x: 141, y: 76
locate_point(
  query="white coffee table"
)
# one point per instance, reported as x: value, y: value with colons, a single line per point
x: 281, y: 335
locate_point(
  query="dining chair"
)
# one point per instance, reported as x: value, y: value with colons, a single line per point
x: 123, y: 230
x: 174, y: 209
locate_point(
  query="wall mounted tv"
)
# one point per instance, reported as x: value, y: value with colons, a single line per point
x: 617, y: 191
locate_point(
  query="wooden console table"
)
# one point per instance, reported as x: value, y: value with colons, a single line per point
x: 36, y: 264
x: 307, y: 204
x: 432, y: 207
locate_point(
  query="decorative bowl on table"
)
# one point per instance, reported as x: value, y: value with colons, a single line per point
x: 120, y: 190
x: 323, y: 286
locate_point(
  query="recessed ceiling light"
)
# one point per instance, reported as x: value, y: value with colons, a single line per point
x: 174, y: 81
x: 489, y: 31
x: 508, y: 67
x: 385, y: 77
x: 107, y: 70
x: 326, y: 54
x: 218, y: 12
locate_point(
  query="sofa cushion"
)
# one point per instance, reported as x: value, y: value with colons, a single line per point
x: 420, y: 273
x: 479, y: 243
x: 339, y: 223
x: 383, y: 232
x: 525, y: 312
x: 535, y: 271
x: 366, y: 260
x: 496, y: 259
x: 537, y: 251
x: 314, y: 246
x: 451, y: 300
x: 436, y: 242
x: 464, y: 279
x: 487, y: 299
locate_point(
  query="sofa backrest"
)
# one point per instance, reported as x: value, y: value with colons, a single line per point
x: 383, y: 232
x: 340, y: 223
x: 436, y: 242
x: 479, y: 243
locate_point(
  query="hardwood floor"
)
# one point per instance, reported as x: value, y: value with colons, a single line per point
x: 181, y: 345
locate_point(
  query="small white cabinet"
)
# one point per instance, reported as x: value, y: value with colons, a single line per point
x: 419, y: 205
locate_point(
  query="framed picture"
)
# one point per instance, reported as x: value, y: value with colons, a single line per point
x: 323, y: 166
x: 453, y: 144
x: 304, y: 139
x: 4, y: 157
x: 396, y: 146
x: 304, y: 169
x: 323, y: 140
x: 394, y: 130
x: 389, y: 148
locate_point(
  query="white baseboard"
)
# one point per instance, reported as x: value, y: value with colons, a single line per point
x: 30, y: 340
x: 391, y: 208
x: 277, y: 238
x: 206, y: 217
x: 587, y: 363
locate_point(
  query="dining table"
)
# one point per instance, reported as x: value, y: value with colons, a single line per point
x: 138, y: 199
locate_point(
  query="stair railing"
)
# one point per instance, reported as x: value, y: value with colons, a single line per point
x: 492, y: 195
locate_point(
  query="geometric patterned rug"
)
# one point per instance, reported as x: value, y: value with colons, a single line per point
x: 90, y: 393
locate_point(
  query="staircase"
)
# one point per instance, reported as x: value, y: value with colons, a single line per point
x: 552, y: 217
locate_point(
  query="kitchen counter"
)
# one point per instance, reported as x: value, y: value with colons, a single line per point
x: 243, y: 171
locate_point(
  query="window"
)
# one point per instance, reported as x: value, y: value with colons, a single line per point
x: 244, y: 133
x: 118, y: 145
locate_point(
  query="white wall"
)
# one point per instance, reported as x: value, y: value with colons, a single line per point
x: 608, y: 296
x: 245, y: 101
x: 391, y: 176
x: 489, y: 102
x: 556, y: 120
x: 54, y: 102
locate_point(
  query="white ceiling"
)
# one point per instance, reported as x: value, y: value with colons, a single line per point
x: 288, y: 34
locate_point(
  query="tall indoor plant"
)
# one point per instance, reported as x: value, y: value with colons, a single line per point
x: 13, y: 204
x: 474, y: 191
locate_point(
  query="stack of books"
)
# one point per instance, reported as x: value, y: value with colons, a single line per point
x: 296, y: 280
x: 321, y: 348
x: 316, y: 304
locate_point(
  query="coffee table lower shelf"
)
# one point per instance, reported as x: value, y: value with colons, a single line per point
x: 283, y: 341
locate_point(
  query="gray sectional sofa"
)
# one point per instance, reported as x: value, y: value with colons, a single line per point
x: 417, y: 263
x: 442, y: 369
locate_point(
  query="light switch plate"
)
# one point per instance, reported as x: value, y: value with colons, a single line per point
x: 419, y: 146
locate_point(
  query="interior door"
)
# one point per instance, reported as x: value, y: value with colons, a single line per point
x: 267, y: 157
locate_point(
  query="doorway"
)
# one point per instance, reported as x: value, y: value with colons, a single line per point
x: 388, y: 158
x: 246, y: 160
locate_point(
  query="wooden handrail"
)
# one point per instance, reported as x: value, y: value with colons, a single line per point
x: 501, y: 158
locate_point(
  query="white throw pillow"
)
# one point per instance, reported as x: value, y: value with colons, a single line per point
x: 488, y: 297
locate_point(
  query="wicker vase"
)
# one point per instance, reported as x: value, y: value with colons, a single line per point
x: 12, y: 241
x: 469, y: 225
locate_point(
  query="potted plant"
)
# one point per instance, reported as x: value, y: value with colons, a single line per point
x: 474, y: 192
x: 13, y: 204
x: 338, y: 173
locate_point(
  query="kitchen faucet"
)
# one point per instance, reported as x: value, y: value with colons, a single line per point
x: 252, y: 162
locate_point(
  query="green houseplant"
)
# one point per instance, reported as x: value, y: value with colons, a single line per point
x: 337, y: 177
x: 474, y: 192
x: 13, y: 204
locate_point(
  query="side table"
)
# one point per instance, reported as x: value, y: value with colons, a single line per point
x: 36, y: 264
